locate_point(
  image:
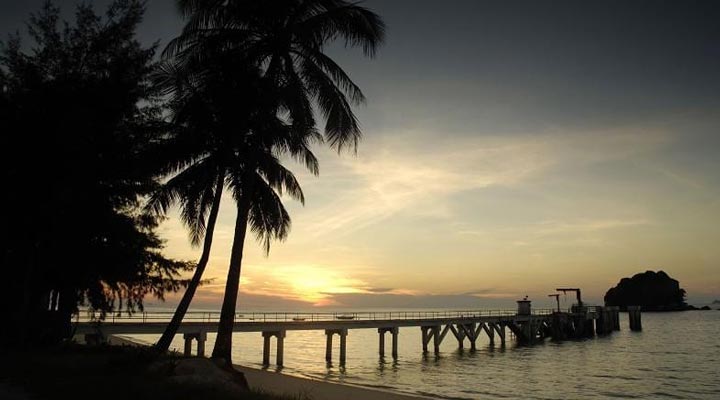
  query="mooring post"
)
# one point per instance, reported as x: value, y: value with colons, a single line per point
x: 634, y: 317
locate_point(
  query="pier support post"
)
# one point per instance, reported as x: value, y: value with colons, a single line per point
x: 395, y: 332
x: 201, y: 339
x: 500, y: 328
x: 435, y: 333
x: 328, y: 345
x: 266, y: 348
x: 381, y: 346
x: 614, y: 317
x: 343, y: 344
x: 490, y: 332
x: 188, y: 344
x: 459, y: 335
x: 280, y: 348
x: 424, y: 331
x: 436, y: 339
x: 474, y: 333
x: 280, y: 353
x: 600, y: 320
x: 634, y: 317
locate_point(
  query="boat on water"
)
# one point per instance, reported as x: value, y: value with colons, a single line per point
x: 298, y: 319
x: 345, y: 316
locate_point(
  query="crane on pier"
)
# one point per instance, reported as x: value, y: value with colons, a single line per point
x: 557, y: 299
x: 577, y: 292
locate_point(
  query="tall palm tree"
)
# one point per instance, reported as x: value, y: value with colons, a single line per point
x: 199, y: 170
x: 208, y: 125
x: 286, y: 39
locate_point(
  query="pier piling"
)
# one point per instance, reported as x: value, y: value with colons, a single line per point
x: 343, y: 344
x: 279, y: 353
x: 394, y: 332
x: 634, y: 317
x: 201, y: 337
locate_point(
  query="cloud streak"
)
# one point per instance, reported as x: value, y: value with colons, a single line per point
x: 412, y: 179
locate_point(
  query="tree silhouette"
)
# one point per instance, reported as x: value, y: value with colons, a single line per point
x: 286, y: 40
x: 72, y: 115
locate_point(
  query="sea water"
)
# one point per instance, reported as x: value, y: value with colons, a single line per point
x: 676, y: 356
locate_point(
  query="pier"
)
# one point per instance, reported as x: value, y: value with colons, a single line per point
x: 525, y: 325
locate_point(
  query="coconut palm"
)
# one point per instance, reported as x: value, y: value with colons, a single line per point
x: 202, y: 153
x: 199, y: 175
x: 286, y: 39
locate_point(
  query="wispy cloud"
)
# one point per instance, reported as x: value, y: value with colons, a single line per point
x: 408, y: 176
x: 555, y: 227
x: 399, y: 181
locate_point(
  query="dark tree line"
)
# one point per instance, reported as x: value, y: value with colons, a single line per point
x: 653, y: 291
x: 79, y: 127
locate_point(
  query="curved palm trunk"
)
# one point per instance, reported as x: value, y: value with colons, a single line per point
x: 164, y: 343
x: 223, y: 343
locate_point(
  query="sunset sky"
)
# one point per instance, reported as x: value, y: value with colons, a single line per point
x: 509, y: 148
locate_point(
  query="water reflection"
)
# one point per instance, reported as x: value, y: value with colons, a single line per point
x: 624, y: 364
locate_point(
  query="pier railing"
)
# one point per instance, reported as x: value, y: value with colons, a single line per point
x: 209, y: 317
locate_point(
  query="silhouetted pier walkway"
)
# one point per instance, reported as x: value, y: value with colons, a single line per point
x: 525, y: 325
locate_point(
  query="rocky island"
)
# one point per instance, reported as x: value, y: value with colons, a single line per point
x: 653, y: 291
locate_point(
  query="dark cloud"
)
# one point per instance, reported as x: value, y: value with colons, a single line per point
x: 480, y: 292
x: 379, y: 290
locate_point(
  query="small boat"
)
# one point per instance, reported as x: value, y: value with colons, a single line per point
x: 298, y: 319
x: 345, y: 317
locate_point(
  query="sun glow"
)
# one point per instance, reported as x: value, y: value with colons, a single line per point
x: 308, y: 283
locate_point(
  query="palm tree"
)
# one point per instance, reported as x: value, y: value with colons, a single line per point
x: 199, y: 175
x: 203, y: 154
x: 286, y: 39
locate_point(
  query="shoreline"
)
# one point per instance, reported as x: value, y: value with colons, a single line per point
x: 315, y: 389
x: 294, y: 386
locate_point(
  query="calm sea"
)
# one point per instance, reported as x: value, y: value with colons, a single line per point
x: 676, y: 356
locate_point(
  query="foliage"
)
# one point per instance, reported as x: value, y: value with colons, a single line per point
x: 280, y: 46
x: 81, y: 121
x: 653, y: 291
x: 110, y: 372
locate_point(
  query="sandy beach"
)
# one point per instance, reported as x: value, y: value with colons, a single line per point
x: 296, y: 387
